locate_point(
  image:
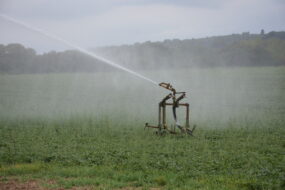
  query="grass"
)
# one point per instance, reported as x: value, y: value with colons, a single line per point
x: 240, y: 147
x: 76, y: 153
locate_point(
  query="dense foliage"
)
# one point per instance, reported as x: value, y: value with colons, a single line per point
x: 15, y: 58
x: 232, y: 50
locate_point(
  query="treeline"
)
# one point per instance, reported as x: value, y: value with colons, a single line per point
x: 232, y: 50
x: 16, y: 59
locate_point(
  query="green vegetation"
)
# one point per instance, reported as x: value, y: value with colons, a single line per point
x: 219, y: 51
x: 83, y: 152
x: 87, y: 130
x: 229, y: 51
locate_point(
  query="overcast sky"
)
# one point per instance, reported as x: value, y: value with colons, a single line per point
x: 93, y: 23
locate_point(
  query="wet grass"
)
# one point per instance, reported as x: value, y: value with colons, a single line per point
x: 78, y: 153
x: 70, y: 133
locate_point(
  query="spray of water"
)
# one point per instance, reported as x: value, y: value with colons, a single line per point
x: 69, y: 44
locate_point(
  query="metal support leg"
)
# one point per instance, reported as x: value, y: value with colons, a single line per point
x: 187, y: 116
x: 159, y: 117
x: 164, y: 117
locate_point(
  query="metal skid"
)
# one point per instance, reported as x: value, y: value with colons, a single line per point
x: 162, y: 125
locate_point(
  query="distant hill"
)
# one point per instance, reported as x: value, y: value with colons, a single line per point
x: 228, y: 51
x: 232, y: 50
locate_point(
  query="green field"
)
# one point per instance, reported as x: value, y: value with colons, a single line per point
x: 87, y: 130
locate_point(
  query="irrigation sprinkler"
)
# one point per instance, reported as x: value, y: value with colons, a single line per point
x: 162, y: 125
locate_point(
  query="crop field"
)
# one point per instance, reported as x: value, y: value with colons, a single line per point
x: 86, y: 130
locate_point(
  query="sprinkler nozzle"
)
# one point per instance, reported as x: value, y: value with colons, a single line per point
x: 167, y: 86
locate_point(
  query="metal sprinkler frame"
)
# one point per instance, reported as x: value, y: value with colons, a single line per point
x: 162, y: 125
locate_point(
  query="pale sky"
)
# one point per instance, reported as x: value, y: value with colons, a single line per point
x: 93, y: 23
